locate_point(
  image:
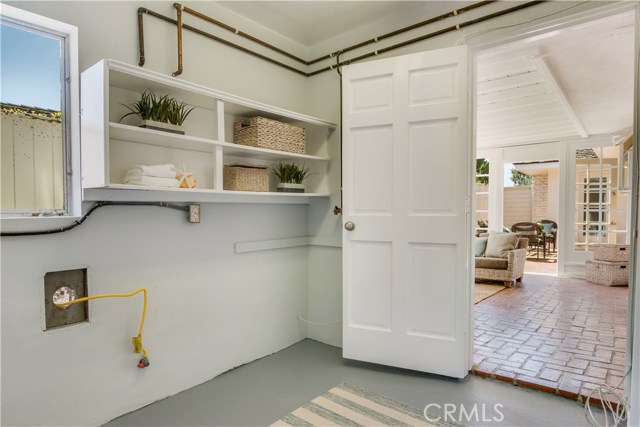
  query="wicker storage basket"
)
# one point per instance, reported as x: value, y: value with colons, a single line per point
x: 240, y: 177
x: 266, y: 133
x: 608, y: 273
x: 618, y: 253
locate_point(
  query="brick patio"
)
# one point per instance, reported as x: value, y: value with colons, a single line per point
x: 563, y: 336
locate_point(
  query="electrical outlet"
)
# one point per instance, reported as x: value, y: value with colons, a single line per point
x: 194, y: 214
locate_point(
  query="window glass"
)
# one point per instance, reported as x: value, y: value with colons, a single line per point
x: 482, y: 196
x: 600, y: 211
x: 34, y: 137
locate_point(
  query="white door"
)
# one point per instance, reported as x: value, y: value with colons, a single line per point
x: 407, y: 175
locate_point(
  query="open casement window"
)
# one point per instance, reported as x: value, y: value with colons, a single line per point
x: 40, y: 116
x: 600, y: 209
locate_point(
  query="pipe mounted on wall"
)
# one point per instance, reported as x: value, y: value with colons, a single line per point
x: 334, y: 55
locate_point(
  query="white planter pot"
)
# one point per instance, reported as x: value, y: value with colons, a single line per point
x: 287, y: 187
x: 165, y: 127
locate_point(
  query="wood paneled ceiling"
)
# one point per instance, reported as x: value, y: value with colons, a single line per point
x: 566, y: 84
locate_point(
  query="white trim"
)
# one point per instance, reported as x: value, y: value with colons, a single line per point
x: 484, y: 42
x: 632, y: 357
x: 329, y: 242
x: 267, y: 245
x: 69, y: 33
x: 293, y: 242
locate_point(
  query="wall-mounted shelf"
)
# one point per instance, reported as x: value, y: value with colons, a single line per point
x: 110, y: 148
x: 135, y: 193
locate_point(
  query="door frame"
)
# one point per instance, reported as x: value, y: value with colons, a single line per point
x: 508, y: 35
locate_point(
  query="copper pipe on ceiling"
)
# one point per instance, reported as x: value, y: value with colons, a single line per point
x: 338, y: 64
x: 428, y: 36
x: 403, y: 30
x: 242, y: 34
x: 144, y: 11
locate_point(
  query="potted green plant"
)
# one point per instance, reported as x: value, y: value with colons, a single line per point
x: 159, y: 112
x: 291, y: 176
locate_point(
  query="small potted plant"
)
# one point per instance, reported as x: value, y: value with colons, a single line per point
x: 159, y: 112
x: 291, y: 176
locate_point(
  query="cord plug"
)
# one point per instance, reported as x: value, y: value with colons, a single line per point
x: 137, y: 344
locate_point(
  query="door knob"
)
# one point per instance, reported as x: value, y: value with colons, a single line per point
x: 349, y: 226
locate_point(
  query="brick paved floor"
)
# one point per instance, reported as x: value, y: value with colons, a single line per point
x: 563, y: 336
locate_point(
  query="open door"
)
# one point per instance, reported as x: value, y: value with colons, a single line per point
x: 406, y: 244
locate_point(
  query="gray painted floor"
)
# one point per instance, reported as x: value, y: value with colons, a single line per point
x: 261, y: 392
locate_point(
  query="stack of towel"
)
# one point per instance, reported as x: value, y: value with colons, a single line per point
x: 153, y: 175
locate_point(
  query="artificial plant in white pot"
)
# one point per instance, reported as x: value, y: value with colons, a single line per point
x: 291, y: 176
x: 159, y: 112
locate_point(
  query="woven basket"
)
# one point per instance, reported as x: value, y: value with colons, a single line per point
x: 618, y: 253
x: 608, y: 273
x: 266, y: 133
x: 240, y: 177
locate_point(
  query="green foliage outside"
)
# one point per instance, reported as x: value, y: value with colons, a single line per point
x: 482, y: 168
x: 521, y: 179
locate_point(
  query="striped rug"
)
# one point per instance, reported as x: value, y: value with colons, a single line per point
x: 349, y: 406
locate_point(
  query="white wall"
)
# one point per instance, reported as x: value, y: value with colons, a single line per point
x: 517, y: 205
x: 209, y: 309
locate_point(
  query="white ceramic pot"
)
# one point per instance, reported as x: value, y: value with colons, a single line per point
x: 165, y: 127
x: 287, y: 187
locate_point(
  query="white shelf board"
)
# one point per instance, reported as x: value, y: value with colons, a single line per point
x: 231, y: 149
x: 160, y: 138
x: 186, y: 142
x: 136, y: 193
x: 133, y: 77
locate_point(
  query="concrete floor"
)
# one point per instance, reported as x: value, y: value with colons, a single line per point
x: 261, y: 392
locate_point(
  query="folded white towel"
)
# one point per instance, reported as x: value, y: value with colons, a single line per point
x: 159, y: 171
x: 152, y: 181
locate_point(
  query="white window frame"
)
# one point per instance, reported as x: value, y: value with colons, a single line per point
x: 71, y: 114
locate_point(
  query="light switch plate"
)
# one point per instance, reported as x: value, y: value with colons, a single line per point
x: 194, y: 214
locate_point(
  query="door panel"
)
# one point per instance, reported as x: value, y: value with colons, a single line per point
x: 371, y: 291
x: 372, y: 169
x: 407, y: 176
x: 430, y: 292
x: 431, y: 160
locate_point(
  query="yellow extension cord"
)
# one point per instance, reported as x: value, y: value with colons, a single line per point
x: 137, y: 341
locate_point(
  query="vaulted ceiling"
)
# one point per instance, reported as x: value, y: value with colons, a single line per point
x: 564, y: 84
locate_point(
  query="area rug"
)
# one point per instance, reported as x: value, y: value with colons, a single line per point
x: 482, y: 291
x: 347, y: 405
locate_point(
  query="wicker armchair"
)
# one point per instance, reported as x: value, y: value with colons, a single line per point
x: 508, y: 270
x: 533, y: 232
x: 552, y: 237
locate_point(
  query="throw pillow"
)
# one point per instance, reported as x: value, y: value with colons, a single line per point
x: 480, y: 245
x: 499, y: 244
x: 546, y: 228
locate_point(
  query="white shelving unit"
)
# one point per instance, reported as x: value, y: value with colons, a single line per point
x: 110, y: 148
